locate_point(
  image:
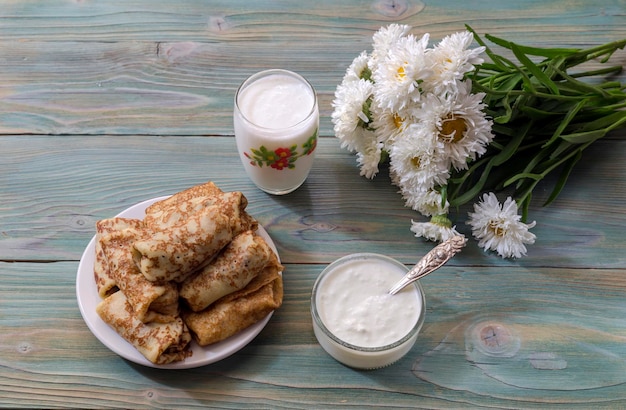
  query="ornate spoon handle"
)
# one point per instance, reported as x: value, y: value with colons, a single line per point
x: 432, y: 261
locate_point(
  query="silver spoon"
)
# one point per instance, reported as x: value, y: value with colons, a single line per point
x: 432, y: 261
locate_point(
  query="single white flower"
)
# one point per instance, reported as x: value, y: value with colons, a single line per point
x: 398, y: 75
x: 427, y: 203
x: 498, y: 227
x: 438, y: 229
x: 385, y: 38
x: 348, y: 115
x: 463, y: 130
x: 369, y: 154
x: 388, y: 124
x: 451, y: 59
x: 414, y: 162
x: 358, y: 69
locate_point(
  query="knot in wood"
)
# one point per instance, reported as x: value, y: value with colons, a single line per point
x: 395, y: 9
x: 495, y: 339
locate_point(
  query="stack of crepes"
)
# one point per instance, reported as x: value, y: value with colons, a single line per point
x: 195, y: 266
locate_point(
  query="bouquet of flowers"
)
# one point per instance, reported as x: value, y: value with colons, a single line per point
x: 455, y: 128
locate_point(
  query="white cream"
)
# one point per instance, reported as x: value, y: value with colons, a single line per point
x: 369, y: 327
x: 276, y: 110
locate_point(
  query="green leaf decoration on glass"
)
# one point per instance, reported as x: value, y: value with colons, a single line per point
x: 283, y: 157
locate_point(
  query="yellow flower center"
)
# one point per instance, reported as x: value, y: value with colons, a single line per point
x: 416, y: 162
x: 401, y: 73
x: 453, y: 129
x: 398, y: 121
x: 497, y: 229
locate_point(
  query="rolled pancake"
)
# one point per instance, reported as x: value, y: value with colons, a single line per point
x: 150, y: 301
x: 203, y: 190
x: 239, y: 310
x: 178, y: 208
x: 172, y: 253
x: 160, y: 343
x: 231, y: 270
x: 104, y: 281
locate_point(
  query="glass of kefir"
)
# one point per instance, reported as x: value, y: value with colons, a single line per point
x: 356, y: 320
x: 276, y: 121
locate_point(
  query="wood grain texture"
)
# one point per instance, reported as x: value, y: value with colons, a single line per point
x: 542, y: 337
x: 53, y: 195
x: 82, y: 67
x: 106, y: 104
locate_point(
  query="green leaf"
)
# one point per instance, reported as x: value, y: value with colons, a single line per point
x: 534, y: 51
x: 611, y: 121
x: 522, y: 175
x: 560, y: 149
x: 574, y: 84
x: 565, y: 173
x: 473, y: 191
x: 584, y: 137
x: 511, y: 147
x: 566, y: 121
x: 537, y: 113
x: 508, y: 112
x: 536, y: 71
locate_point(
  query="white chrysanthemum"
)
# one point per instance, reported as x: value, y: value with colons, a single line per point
x: 427, y: 203
x: 385, y: 38
x: 389, y: 124
x: 357, y: 69
x: 498, y: 227
x: 369, y: 154
x: 451, y: 59
x: 397, y: 76
x: 414, y: 162
x: 348, y: 115
x: 438, y: 229
x: 463, y: 130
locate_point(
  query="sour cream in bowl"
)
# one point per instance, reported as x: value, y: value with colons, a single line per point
x: 356, y: 320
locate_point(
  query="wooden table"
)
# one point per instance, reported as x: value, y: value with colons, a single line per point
x: 106, y: 104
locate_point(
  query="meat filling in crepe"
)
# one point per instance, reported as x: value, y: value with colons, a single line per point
x: 231, y: 270
x: 239, y: 310
x: 160, y: 343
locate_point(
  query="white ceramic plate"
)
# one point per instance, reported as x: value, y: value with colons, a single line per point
x: 88, y: 299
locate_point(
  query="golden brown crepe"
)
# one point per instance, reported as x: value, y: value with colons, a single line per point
x: 172, y: 253
x: 150, y: 301
x: 203, y: 190
x: 160, y: 343
x: 242, y: 259
x: 104, y: 281
x: 173, y: 210
x: 238, y: 310
x: 188, y: 232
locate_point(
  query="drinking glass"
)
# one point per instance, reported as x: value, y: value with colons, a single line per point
x: 276, y: 121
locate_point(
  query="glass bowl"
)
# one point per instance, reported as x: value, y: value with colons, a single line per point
x: 356, y: 321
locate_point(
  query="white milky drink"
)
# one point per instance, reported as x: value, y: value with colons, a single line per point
x: 276, y: 121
